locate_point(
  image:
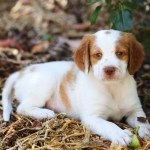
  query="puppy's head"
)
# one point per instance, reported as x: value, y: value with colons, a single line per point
x: 109, y: 54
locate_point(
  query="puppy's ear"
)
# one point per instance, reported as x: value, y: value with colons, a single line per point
x: 82, y: 53
x: 136, y: 54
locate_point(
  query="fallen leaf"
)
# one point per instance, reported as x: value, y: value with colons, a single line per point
x: 81, y: 27
x: 36, y: 123
x: 10, y: 42
x: 40, y: 47
x: 142, y: 119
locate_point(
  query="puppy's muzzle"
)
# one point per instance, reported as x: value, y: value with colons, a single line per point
x: 109, y: 71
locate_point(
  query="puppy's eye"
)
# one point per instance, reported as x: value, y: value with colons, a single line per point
x: 98, y: 55
x: 120, y: 53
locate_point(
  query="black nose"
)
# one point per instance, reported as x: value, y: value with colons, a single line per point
x: 109, y: 70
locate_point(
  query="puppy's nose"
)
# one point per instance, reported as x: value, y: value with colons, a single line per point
x: 110, y: 70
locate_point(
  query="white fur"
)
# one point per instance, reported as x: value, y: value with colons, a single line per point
x: 92, y: 100
x: 107, y: 43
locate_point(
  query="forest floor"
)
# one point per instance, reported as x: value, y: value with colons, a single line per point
x: 24, y: 42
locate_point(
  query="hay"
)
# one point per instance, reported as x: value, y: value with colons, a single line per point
x: 26, y: 133
x: 57, y: 133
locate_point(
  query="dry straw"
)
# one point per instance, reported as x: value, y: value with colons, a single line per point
x: 59, y: 133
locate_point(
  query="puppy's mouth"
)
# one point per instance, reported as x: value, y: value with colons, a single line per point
x: 113, y: 77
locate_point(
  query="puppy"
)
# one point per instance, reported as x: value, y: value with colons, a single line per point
x: 97, y: 87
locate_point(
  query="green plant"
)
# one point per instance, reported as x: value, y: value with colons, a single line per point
x: 135, y: 139
x: 120, y: 12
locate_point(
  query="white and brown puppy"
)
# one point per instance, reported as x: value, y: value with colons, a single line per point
x: 97, y: 87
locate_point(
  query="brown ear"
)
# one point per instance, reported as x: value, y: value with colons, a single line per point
x: 82, y: 54
x: 136, y: 54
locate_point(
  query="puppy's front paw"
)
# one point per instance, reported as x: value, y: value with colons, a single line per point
x: 122, y: 137
x: 46, y: 113
x: 144, y: 131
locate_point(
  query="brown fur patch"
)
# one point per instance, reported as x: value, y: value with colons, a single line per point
x: 122, y: 48
x: 135, y: 52
x: 107, y: 32
x: 21, y: 73
x: 93, y: 57
x: 51, y: 103
x: 69, y: 78
x: 64, y: 97
x: 33, y: 69
x: 82, y: 54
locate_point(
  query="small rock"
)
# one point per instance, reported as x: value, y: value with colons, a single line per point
x: 146, y: 66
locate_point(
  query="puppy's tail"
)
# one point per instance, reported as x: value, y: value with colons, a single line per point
x: 7, y: 96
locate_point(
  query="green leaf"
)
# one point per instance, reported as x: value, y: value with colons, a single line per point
x: 131, y: 5
x: 108, y: 2
x: 138, y: 1
x: 95, y: 15
x: 137, y: 129
x: 93, y: 1
x: 121, y: 19
x: 135, y: 143
x: 46, y: 37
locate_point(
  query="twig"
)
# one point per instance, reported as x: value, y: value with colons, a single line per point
x: 25, y: 62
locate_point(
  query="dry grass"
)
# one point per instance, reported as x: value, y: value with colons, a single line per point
x: 26, y: 133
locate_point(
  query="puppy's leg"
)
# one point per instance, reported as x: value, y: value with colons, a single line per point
x: 108, y: 130
x: 138, y: 118
x: 27, y: 108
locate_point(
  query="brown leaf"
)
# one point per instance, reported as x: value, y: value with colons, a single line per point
x: 36, y: 123
x: 40, y: 47
x: 6, y: 43
x: 140, y: 140
x: 142, y: 119
x: 81, y: 27
x: 9, y: 43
